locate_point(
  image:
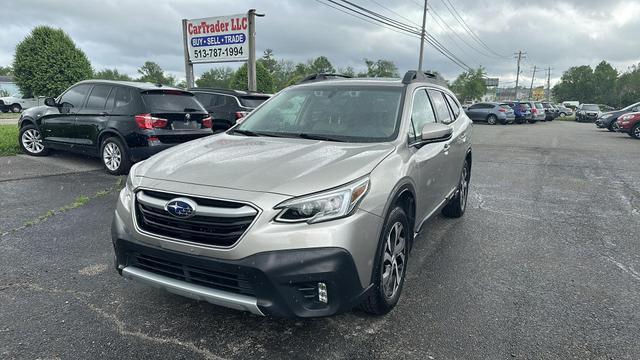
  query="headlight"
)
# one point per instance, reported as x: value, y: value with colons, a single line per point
x: 327, y: 205
x: 132, y: 182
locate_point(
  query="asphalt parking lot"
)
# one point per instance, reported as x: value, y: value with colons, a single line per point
x: 545, y: 264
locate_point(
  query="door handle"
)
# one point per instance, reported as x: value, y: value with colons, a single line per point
x: 103, y: 114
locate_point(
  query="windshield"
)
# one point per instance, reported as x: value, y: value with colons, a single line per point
x: 539, y: 106
x: 253, y: 101
x: 170, y: 101
x: 631, y: 106
x: 338, y: 113
x: 590, y: 107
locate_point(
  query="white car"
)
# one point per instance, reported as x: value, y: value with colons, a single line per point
x: 16, y: 103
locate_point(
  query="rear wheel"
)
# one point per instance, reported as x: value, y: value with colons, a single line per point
x: 391, y: 264
x: 458, y: 204
x: 31, y: 141
x: 115, y: 156
x: 563, y: 114
x: 492, y: 119
x: 635, y: 131
x: 613, y: 126
x: 16, y: 108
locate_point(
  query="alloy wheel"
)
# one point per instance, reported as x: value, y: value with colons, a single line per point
x: 394, y: 260
x: 112, y: 156
x: 32, y: 141
x: 464, y: 187
x: 636, y: 132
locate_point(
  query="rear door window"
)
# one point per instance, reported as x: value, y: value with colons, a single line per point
x: 170, y: 101
x: 98, y: 97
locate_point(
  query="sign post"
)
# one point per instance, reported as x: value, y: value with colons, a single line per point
x: 219, y: 39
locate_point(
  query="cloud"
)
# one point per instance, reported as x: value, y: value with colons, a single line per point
x: 559, y: 34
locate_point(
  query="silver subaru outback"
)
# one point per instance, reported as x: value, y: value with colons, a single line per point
x: 307, y: 208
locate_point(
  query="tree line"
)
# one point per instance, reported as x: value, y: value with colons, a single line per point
x: 47, y: 62
x: 600, y: 85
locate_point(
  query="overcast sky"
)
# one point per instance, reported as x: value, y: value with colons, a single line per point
x: 554, y: 33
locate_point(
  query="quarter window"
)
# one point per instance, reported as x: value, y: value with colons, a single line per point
x: 455, y: 107
x: 421, y: 112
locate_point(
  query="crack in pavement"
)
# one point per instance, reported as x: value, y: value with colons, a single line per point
x: 118, y: 324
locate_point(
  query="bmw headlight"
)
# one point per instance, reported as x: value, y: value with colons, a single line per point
x: 327, y: 205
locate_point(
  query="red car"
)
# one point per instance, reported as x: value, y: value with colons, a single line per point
x: 630, y: 124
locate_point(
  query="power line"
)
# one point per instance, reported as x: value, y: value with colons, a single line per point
x: 392, y: 11
x: 440, y: 20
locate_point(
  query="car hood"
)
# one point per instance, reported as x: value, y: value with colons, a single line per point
x: 278, y: 165
x: 7, y: 99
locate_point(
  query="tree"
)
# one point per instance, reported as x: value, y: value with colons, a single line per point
x: 153, y: 73
x: 470, y: 85
x: 216, y: 78
x: 380, y: 68
x: 6, y: 71
x: 111, y: 74
x: 577, y: 83
x: 628, y: 86
x: 605, y: 77
x: 269, y: 62
x: 47, y: 62
x: 263, y: 78
x: 320, y: 65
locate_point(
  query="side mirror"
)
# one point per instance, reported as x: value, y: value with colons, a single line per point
x: 435, y: 132
x: 50, y: 102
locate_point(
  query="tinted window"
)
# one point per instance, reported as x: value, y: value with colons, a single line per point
x: 346, y: 113
x: 170, y: 101
x: 590, y: 107
x: 98, y: 97
x: 205, y: 99
x: 421, y: 112
x: 123, y: 97
x: 253, y: 101
x: 440, y: 106
x: 455, y: 107
x: 75, y: 96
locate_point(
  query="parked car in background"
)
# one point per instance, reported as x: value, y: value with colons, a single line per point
x: 588, y: 113
x: 630, y: 124
x: 608, y: 120
x: 571, y: 104
x: 606, y: 108
x: 120, y: 122
x: 226, y: 106
x: 564, y: 111
x: 16, y: 103
x: 315, y: 213
x: 491, y: 112
x: 525, y: 108
x: 550, y: 110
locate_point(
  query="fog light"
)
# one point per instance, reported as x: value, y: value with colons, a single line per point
x: 322, y: 293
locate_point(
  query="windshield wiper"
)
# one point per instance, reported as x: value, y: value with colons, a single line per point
x: 319, y: 137
x: 254, y: 133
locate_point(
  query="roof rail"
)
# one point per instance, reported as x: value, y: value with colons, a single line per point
x: 413, y: 75
x: 322, y: 76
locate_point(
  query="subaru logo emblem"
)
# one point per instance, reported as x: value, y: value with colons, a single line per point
x: 181, y: 208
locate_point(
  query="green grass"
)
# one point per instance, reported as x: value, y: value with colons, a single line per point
x: 9, y: 115
x: 9, y: 140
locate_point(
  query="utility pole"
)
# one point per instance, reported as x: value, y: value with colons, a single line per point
x: 549, y: 84
x: 188, y: 65
x: 531, y: 87
x: 519, y: 55
x: 252, y: 83
x: 423, y: 34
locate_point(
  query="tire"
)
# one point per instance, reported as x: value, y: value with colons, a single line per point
x: 4, y: 109
x: 613, y: 126
x: 635, y: 131
x: 397, y: 234
x: 531, y: 121
x: 15, y: 108
x: 30, y: 140
x: 563, y: 114
x: 115, y: 156
x: 458, y: 204
x: 492, y: 119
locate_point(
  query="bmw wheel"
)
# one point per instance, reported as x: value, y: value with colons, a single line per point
x: 31, y: 141
x: 115, y: 157
x: 391, y: 265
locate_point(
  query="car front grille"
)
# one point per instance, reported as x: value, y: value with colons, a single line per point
x: 215, y: 223
x: 221, y: 280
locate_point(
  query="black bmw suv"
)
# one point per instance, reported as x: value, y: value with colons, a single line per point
x: 227, y: 106
x: 120, y: 122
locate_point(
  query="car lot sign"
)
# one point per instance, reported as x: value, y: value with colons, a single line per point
x: 218, y: 39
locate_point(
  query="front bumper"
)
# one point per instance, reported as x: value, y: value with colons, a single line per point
x: 278, y: 283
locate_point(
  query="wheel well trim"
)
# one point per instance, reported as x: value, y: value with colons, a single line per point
x: 27, y: 120
x: 110, y: 131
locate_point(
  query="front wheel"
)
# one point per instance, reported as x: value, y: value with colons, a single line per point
x: 563, y: 114
x: 115, y: 156
x: 492, y: 119
x: 635, y: 132
x: 391, y: 264
x: 458, y: 204
x: 15, y: 108
x: 613, y: 126
x: 31, y: 141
